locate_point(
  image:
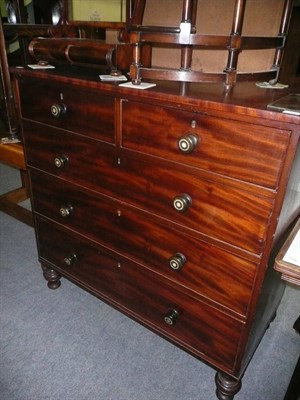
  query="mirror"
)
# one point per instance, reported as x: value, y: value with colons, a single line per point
x: 32, y: 11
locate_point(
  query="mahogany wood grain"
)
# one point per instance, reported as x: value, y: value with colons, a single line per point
x: 213, y: 210
x: 289, y: 271
x: 150, y: 242
x: 122, y: 172
x: 246, y: 102
x: 82, y: 116
x: 202, y: 329
x: 225, y: 146
x: 13, y: 155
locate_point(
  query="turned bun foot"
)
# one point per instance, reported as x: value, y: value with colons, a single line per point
x: 54, y: 284
x: 52, y: 277
x: 227, y: 387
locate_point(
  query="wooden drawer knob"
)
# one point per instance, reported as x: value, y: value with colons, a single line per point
x: 182, y: 202
x: 66, y: 211
x: 60, y: 161
x: 70, y: 259
x: 188, y: 143
x: 171, y: 317
x: 177, y: 261
x: 58, y: 110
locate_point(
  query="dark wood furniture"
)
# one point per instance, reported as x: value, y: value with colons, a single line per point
x: 290, y: 66
x: 164, y: 203
x: 188, y: 37
x: 290, y: 272
x: 13, y: 156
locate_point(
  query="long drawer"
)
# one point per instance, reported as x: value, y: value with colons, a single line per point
x: 249, y: 152
x: 203, y: 269
x: 199, y: 328
x: 196, y: 203
x: 61, y: 106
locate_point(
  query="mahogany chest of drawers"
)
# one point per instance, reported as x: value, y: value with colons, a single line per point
x: 163, y: 204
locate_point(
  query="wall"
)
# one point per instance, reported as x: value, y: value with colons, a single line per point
x: 2, y: 8
x: 98, y: 10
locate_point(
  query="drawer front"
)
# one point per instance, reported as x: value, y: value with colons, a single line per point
x: 213, y: 206
x: 203, y: 269
x: 86, y: 111
x: 201, y: 329
x: 240, y: 150
x: 79, y: 259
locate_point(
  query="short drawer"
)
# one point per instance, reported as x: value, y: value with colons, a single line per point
x: 199, y: 328
x: 205, y: 270
x: 69, y: 107
x: 249, y: 152
x: 227, y: 213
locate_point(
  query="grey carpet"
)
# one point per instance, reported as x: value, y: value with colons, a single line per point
x: 68, y: 345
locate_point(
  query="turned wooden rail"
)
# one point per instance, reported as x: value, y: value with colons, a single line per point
x: 185, y: 37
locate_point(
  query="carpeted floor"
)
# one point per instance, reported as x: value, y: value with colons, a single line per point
x: 68, y: 345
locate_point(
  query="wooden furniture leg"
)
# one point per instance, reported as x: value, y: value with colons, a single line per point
x: 227, y: 387
x: 52, y: 277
